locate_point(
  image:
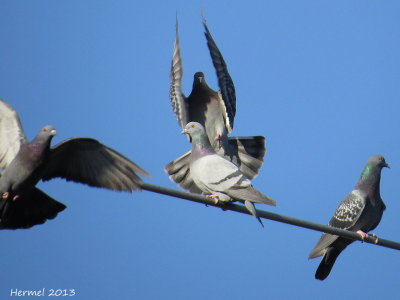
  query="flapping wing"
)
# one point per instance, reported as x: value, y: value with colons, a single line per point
x: 227, y: 89
x: 175, y: 93
x: 11, y: 134
x: 87, y: 161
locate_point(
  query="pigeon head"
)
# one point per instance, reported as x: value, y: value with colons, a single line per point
x: 45, y: 134
x: 198, y: 137
x: 197, y: 134
x: 377, y: 161
x: 194, y: 130
x: 370, y: 177
x: 199, y: 79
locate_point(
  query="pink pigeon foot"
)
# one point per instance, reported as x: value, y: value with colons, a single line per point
x: 375, y: 237
x: 214, y: 197
x: 5, y: 195
x: 362, y: 234
x: 15, y: 197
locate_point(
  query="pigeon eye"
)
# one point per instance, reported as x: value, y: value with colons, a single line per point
x: 44, y: 129
x: 381, y: 158
x: 192, y: 126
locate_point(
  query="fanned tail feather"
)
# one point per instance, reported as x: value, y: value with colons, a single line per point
x: 27, y: 211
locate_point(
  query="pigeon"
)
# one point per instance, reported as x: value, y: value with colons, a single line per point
x: 25, y: 163
x: 360, y: 211
x: 217, y: 177
x: 216, y: 112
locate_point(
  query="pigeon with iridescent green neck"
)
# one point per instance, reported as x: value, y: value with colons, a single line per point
x: 360, y: 211
x: 216, y: 112
x: 25, y: 163
x: 217, y: 177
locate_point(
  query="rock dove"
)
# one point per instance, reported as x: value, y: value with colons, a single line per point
x: 216, y: 112
x: 217, y: 177
x: 360, y: 211
x: 83, y: 160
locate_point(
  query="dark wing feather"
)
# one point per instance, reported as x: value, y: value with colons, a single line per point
x: 11, y: 134
x: 87, y: 161
x: 225, y: 82
x: 178, y: 99
x: 28, y: 210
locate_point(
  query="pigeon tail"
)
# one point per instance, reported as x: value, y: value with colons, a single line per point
x: 28, y: 210
x: 327, y: 263
x: 250, y: 207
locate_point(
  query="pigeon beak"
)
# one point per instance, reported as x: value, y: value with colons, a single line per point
x: 53, y: 132
x: 183, y: 131
x: 387, y: 165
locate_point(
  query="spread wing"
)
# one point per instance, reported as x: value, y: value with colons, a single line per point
x: 179, y: 172
x: 87, y: 161
x: 11, y: 134
x: 227, y: 89
x: 178, y: 99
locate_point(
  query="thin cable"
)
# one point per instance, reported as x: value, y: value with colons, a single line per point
x: 268, y: 215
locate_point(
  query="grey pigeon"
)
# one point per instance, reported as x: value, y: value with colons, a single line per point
x: 217, y: 177
x: 360, y: 211
x: 216, y: 112
x: 83, y: 160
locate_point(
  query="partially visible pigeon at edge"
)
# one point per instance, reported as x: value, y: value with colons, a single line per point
x: 25, y: 163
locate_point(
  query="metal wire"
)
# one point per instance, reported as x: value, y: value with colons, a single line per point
x: 268, y: 215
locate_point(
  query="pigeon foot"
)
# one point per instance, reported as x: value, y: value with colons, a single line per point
x: 15, y: 197
x: 5, y: 195
x: 375, y: 237
x: 214, y: 197
x: 362, y: 234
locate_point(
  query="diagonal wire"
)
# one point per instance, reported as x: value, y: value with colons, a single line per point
x: 268, y: 215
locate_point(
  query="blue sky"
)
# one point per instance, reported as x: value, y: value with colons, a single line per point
x: 319, y: 79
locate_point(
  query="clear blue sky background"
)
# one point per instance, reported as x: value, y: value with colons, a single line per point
x: 319, y: 79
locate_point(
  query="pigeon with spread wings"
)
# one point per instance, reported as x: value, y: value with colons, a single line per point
x: 217, y: 177
x: 83, y: 160
x: 216, y: 112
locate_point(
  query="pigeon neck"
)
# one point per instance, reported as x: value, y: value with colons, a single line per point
x: 369, y: 180
x: 201, y: 146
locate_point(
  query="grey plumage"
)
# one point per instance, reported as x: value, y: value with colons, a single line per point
x: 216, y: 112
x: 216, y: 176
x: 361, y: 210
x: 24, y: 163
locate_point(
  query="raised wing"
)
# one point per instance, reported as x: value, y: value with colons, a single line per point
x: 227, y: 89
x: 87, y: 161
x: 11, y: 134
x: 175, y: 92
